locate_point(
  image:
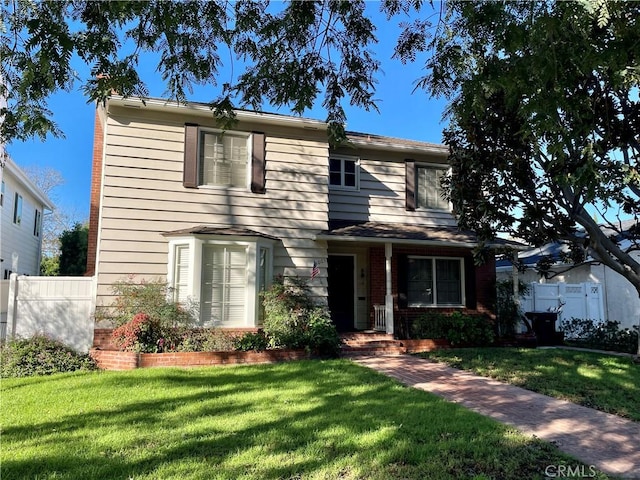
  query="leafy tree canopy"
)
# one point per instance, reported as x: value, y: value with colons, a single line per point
x: 544, y: 118
x: 544, y: 121
x: 73, y: 251
x: 293, y: 54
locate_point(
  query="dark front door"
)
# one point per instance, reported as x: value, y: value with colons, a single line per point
x: 341, y: 294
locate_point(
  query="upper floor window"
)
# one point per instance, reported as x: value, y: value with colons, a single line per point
x: 344, y: 172
x: 17, y: 209
x: 228, y: 159
x: 429, y: 189
x: 37, y: 223
x: 223, y: 158
x: 2, y: 194
x: 435, y: 281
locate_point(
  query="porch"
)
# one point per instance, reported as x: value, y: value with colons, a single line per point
x: 381, y: 276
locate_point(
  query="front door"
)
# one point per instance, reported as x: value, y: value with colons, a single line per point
x: 341, y: 270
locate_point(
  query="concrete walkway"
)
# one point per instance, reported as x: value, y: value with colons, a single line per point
x: 609, y: 442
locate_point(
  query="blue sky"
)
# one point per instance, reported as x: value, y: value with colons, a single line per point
x: 403, y: 113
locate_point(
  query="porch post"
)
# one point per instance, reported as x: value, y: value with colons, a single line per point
x: 388, y: 299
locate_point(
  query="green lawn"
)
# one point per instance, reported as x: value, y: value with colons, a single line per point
x: 605, y: 382
x: 302, y: 420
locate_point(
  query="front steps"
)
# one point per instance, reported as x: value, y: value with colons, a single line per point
x: 370, y: 343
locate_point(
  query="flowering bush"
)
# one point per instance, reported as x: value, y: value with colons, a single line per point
x: 141, y: 334
x: 146, y: 318
x: 152, y: 297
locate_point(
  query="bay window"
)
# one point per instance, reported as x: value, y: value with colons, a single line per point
x: 222, y: 276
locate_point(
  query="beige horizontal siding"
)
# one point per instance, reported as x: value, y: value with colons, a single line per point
x: 118, y: 245
x: 143, y: 197
x: 382, y: 198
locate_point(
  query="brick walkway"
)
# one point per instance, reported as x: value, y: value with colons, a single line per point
x: 609, y: 442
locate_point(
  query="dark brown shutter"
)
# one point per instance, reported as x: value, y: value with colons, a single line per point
x: 190, y: 172
x: 471, y: 300
x: 403, y: 281
x: 258, y: 164
x: 410, y: 179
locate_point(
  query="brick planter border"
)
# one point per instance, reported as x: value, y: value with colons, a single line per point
x: 117, y: 360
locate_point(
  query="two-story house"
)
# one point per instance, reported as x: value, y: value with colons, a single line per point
x: 22, y: 206
x: 219, y: 213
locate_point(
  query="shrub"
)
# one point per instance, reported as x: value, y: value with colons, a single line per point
x: 321, y: 336
x: 152, y: 297
x: 206, y: 340
x: 145, y: 317
x: 292, y: 320
x: 507, y: 310
x: 251, y: 341
x: 141, y: 334
x: 40, y: 355
x: 600, y: 335
x: 457, y: 327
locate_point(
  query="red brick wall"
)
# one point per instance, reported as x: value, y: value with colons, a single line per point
x: 96, y: 180
x: 194, y: 359
x: 114, y: 360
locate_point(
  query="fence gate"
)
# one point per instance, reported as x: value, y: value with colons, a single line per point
x: 60, y: 307
x: 581, y: 300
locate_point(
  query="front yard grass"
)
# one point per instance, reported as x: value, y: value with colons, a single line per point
x: 605, y: 382
x: 303, y: 420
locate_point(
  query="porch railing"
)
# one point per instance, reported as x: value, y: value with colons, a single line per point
x: 380, y: 318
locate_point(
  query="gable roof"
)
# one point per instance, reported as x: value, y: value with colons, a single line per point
x: 18, y: 174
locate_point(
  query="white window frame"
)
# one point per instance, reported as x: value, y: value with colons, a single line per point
x: 195, y: 245
x: 432, y: 166
x: 37, y: 223
x: 17, y: 209
x: 435, y: 303
x: 248, y: 137
x: 2, y: 190
x: 343, y: 159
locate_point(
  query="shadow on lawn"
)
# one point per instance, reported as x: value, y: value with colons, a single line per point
x: 302, y: 419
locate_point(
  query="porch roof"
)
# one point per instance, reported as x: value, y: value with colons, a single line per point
x: 407, y: 234
x: 218, y: 230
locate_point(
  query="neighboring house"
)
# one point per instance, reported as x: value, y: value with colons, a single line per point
x: 22, y: 205
x: 220, y: 214
x: 617, y: 299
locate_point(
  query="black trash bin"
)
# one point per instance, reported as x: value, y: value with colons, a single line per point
x: 544, y: 326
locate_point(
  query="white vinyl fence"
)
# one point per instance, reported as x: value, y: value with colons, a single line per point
x: 581, y: 300
x: 59, y: 307
x: 4, y: 302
